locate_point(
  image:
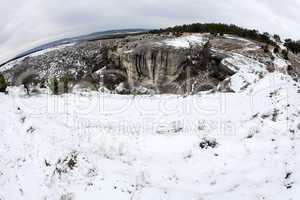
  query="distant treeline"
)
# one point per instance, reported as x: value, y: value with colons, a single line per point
x: 221, y: 29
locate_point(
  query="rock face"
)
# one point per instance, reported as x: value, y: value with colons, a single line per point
x: 167, y: 69
x: 146, y: 63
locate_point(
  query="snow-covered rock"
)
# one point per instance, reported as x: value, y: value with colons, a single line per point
x: 186, y: 41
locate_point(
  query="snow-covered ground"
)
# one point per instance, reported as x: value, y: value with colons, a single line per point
x: 11, y: 64
x: 88, y: 145
x: 186, y: 41
x: 249, y: 45
x: 248, y: 71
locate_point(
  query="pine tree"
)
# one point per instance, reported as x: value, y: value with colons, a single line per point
x: 64, y: 81
x: 277, y: 38
x: 53, y: 86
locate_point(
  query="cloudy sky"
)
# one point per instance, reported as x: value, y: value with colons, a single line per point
x: 27, y: 23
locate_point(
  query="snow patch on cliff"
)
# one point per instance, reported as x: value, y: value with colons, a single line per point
x: 186, y: 41
x: 248, y: 71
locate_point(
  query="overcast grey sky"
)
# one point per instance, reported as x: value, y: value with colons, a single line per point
x: 27, y: 23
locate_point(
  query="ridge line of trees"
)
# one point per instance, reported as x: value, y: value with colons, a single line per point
x: 221, y: 29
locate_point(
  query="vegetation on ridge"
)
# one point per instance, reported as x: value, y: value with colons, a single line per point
x: 219, y: 28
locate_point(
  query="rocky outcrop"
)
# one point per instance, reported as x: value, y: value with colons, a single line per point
x: 143, y: 63
x: 166, y: 69
x: 160, y: 68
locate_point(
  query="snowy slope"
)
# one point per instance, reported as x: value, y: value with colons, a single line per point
x: 90, y: 145
x: 11, y: 64
x: 186, y: 41
x: 99, y: 146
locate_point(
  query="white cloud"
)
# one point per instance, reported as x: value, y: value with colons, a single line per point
x: 26, y: 23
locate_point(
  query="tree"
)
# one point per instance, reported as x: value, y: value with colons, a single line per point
x: 3, y: 83
x: 65, y: 80
x: 293, y: 46
x: 53, y: 86
x: 277, y: 38
x: 31, y: 79
x: 288, y: 40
